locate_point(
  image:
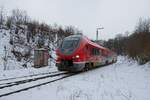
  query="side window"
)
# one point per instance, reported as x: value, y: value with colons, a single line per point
x: 95, y: 51
x: 98, y: 52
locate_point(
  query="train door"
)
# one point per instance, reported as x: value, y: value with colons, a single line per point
x: 95, y: 56
x: 87, y: 53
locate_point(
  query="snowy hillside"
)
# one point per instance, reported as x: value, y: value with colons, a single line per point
x: 16, y: 51
x: 124, y: 80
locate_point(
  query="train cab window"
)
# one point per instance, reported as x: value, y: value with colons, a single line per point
x: 69, y: 45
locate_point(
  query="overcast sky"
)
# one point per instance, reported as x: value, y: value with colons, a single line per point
x: 116, y: 16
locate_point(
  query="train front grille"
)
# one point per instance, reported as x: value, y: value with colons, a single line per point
x: 67, y: 62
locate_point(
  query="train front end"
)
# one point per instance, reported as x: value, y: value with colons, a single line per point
x: 68, y: 54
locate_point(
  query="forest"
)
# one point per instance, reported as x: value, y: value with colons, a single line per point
x: 135, y: 45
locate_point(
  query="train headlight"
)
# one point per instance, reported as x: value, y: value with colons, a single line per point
x: 77, y: 56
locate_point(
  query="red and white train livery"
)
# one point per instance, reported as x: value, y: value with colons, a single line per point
x: 78, y: 53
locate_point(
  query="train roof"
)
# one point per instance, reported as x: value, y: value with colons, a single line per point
x: 88, y: 40
x: 93, y: 43
x: 79, y: 36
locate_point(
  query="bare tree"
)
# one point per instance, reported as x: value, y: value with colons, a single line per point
x: 9, y: 22
x: 19, y: 16
x: 136, y: 45
x: 143, y: 25
x: 2, y: 16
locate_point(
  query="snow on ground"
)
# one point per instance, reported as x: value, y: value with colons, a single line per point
x: 124, y: 80
x: 25, y: 72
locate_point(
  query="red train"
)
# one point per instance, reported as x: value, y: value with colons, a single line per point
x: 78, y: 53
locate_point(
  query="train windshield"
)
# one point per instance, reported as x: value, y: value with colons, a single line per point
x: 69, y: 45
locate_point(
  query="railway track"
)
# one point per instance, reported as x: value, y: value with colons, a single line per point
x: 2, y: 80
x: 18, y: 81
x: 23, y: 85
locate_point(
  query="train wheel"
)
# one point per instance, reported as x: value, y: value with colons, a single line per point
x: 91, y: 65
x: 86, y: 68
x: 106, y: 62
x: 112, y: 61
x: 60, y: 69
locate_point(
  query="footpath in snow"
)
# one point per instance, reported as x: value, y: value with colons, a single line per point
x: 124, y: 80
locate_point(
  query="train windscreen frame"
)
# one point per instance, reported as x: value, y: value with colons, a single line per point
x: 69, y: 45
